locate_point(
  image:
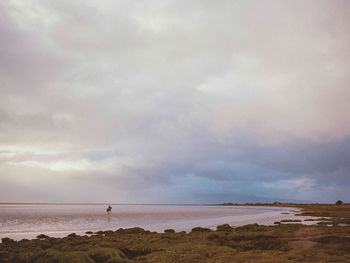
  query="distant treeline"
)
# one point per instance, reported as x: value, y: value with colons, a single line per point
x: 271, y: 204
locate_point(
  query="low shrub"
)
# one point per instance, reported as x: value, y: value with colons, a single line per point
x: 201, y: 229
x: 224, y: 228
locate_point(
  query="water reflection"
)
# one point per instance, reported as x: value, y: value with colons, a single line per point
x: 30, y: 220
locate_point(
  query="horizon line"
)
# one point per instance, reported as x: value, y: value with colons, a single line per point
x: 170, y: 204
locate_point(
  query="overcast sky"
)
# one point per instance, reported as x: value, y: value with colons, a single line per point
x: 174, y: 101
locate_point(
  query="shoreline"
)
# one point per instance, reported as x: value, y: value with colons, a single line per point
x: 287, y: 241
x: 259, y: 216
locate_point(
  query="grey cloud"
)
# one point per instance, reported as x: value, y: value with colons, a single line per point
x: 152, y: 97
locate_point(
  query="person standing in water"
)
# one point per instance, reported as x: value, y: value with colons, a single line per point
x: 109, y: 209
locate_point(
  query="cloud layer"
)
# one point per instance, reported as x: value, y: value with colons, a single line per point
x: 172, y: 101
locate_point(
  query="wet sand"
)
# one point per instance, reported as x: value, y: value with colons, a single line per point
x: 20, y: 222
x: 261, y: 217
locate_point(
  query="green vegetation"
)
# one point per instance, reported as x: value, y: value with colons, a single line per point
x: 337, y: 214
x: 339, y: 202
x: 290, y: 220
x: 250, y: 243
x: 317, y: 219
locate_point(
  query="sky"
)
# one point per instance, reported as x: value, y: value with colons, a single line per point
x: 174, y: 101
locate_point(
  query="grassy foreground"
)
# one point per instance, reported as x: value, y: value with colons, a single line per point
x: 327, y: 241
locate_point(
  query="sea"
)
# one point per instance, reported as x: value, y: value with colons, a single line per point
x: 19, y: 221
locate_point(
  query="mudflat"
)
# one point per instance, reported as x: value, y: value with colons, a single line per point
x: 59, y: 220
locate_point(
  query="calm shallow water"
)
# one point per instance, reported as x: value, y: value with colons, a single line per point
x: 27, y: 221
